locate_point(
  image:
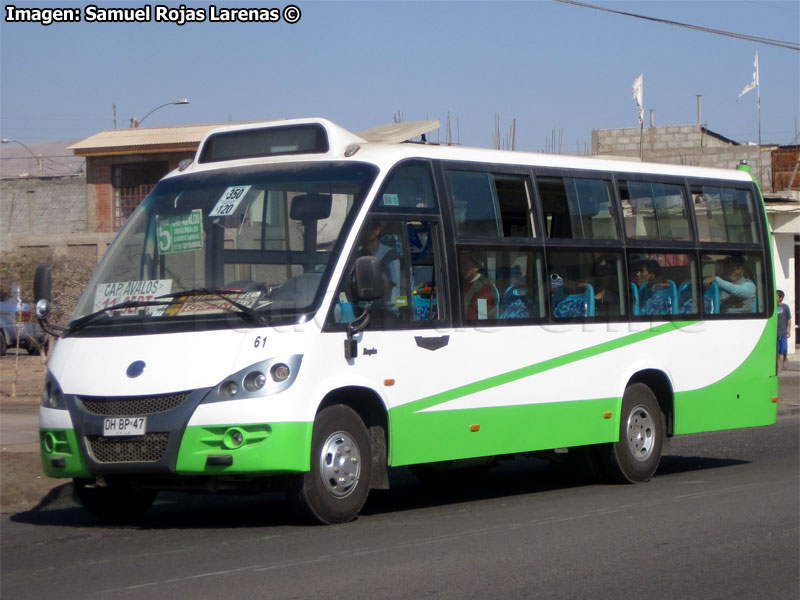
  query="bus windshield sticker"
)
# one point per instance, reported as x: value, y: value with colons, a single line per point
x: 180, y: 233
x: 207, y: 304
x: 391, y: 200
x: 229, y: 200
x: 111, y: 294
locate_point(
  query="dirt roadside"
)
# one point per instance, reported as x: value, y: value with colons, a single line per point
x: 23, y: 484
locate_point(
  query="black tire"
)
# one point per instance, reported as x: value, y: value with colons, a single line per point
x: 3, y: 345
x: 635, y: 457
x: 118, y: 503
x: 336, y: 487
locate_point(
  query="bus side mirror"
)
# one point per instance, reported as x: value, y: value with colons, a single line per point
x: 42, y: 292
x: 43, y: 283
x: 369, y: 281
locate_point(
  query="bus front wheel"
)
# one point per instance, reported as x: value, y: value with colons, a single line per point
x: 336, y: 487
x: 635, y: 457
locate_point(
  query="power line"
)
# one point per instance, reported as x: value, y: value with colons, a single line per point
x: 741, y: 36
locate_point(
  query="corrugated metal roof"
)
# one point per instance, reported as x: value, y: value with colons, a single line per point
x: 123, y: 141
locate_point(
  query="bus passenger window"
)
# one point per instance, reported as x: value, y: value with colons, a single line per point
x: 501, y: 284
x: 734, y: 283
x: 654, y: 211
x: 577, y: 208
x: 491, y: 205
x: 586, y: 284
x: 725, y: 215
x: 663, y: 284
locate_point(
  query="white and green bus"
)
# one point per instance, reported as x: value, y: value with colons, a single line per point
x: 303, y: 308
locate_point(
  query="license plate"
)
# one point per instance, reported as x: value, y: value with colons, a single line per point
x: 117, y: 426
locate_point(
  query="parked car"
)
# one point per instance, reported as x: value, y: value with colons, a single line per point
x: 19, y: 326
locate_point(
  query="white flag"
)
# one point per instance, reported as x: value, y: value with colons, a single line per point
x: 752, y: 84
x: 638, y: 95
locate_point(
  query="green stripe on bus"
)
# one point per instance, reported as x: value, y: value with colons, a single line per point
x: 541, y: 367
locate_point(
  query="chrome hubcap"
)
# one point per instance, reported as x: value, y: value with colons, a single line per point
x: 340, y: 464
x: 641, y: 433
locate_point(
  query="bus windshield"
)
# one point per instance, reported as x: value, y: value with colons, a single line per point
x: 253, y: 243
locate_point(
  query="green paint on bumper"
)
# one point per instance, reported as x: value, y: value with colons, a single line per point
x: 265, y: 450
x: 60, y: 447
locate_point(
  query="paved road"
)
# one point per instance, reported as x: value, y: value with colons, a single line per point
x: 720, y: 520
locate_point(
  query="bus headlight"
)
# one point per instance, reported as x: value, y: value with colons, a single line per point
x: 280, y: 372
x: 228, y: 389
x: 254, y: 381
x: 51, y: 394
x: 263, y: 378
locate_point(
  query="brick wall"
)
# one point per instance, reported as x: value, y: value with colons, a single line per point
x: 43, y: 205
x: 683, y: 145
x: 99, y: 184
x: 48, y: 213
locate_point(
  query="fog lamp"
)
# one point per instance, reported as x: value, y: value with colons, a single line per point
x: 233, y: 438
x: 49, y: 442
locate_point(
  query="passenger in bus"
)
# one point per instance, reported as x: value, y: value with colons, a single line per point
x: 514, y: 303
x: 606, y: 295
x: 646, y: 273
x: 737, y: 292
x: 479, y: 295
x: 371, y: 245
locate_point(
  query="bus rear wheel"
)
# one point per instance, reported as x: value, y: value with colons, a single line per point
x: 118, y: 502
x: 336, y: 487
x: 635, y: 457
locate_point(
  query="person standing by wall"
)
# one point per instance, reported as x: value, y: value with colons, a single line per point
x: 784, y: 330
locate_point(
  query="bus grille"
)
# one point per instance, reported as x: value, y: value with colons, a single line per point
x: 129, y: 406
x: 146, y: 448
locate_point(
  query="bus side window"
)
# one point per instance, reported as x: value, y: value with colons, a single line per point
x: 654, y: 211
x: 725, y: 215
x: 501, y: 284
x: 476, y: 204
x: 410, y: 187
x: 577, y: 208
x: 491, y: 205
x: 586, y: 284
x: 408, y: 252
x: 737, y: 283
x: 663, y: 284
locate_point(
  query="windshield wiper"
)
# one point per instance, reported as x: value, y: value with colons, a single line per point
x: 82, y: 321
x: 220, y: 293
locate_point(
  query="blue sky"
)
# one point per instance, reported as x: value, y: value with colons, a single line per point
x: 558, y: 69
